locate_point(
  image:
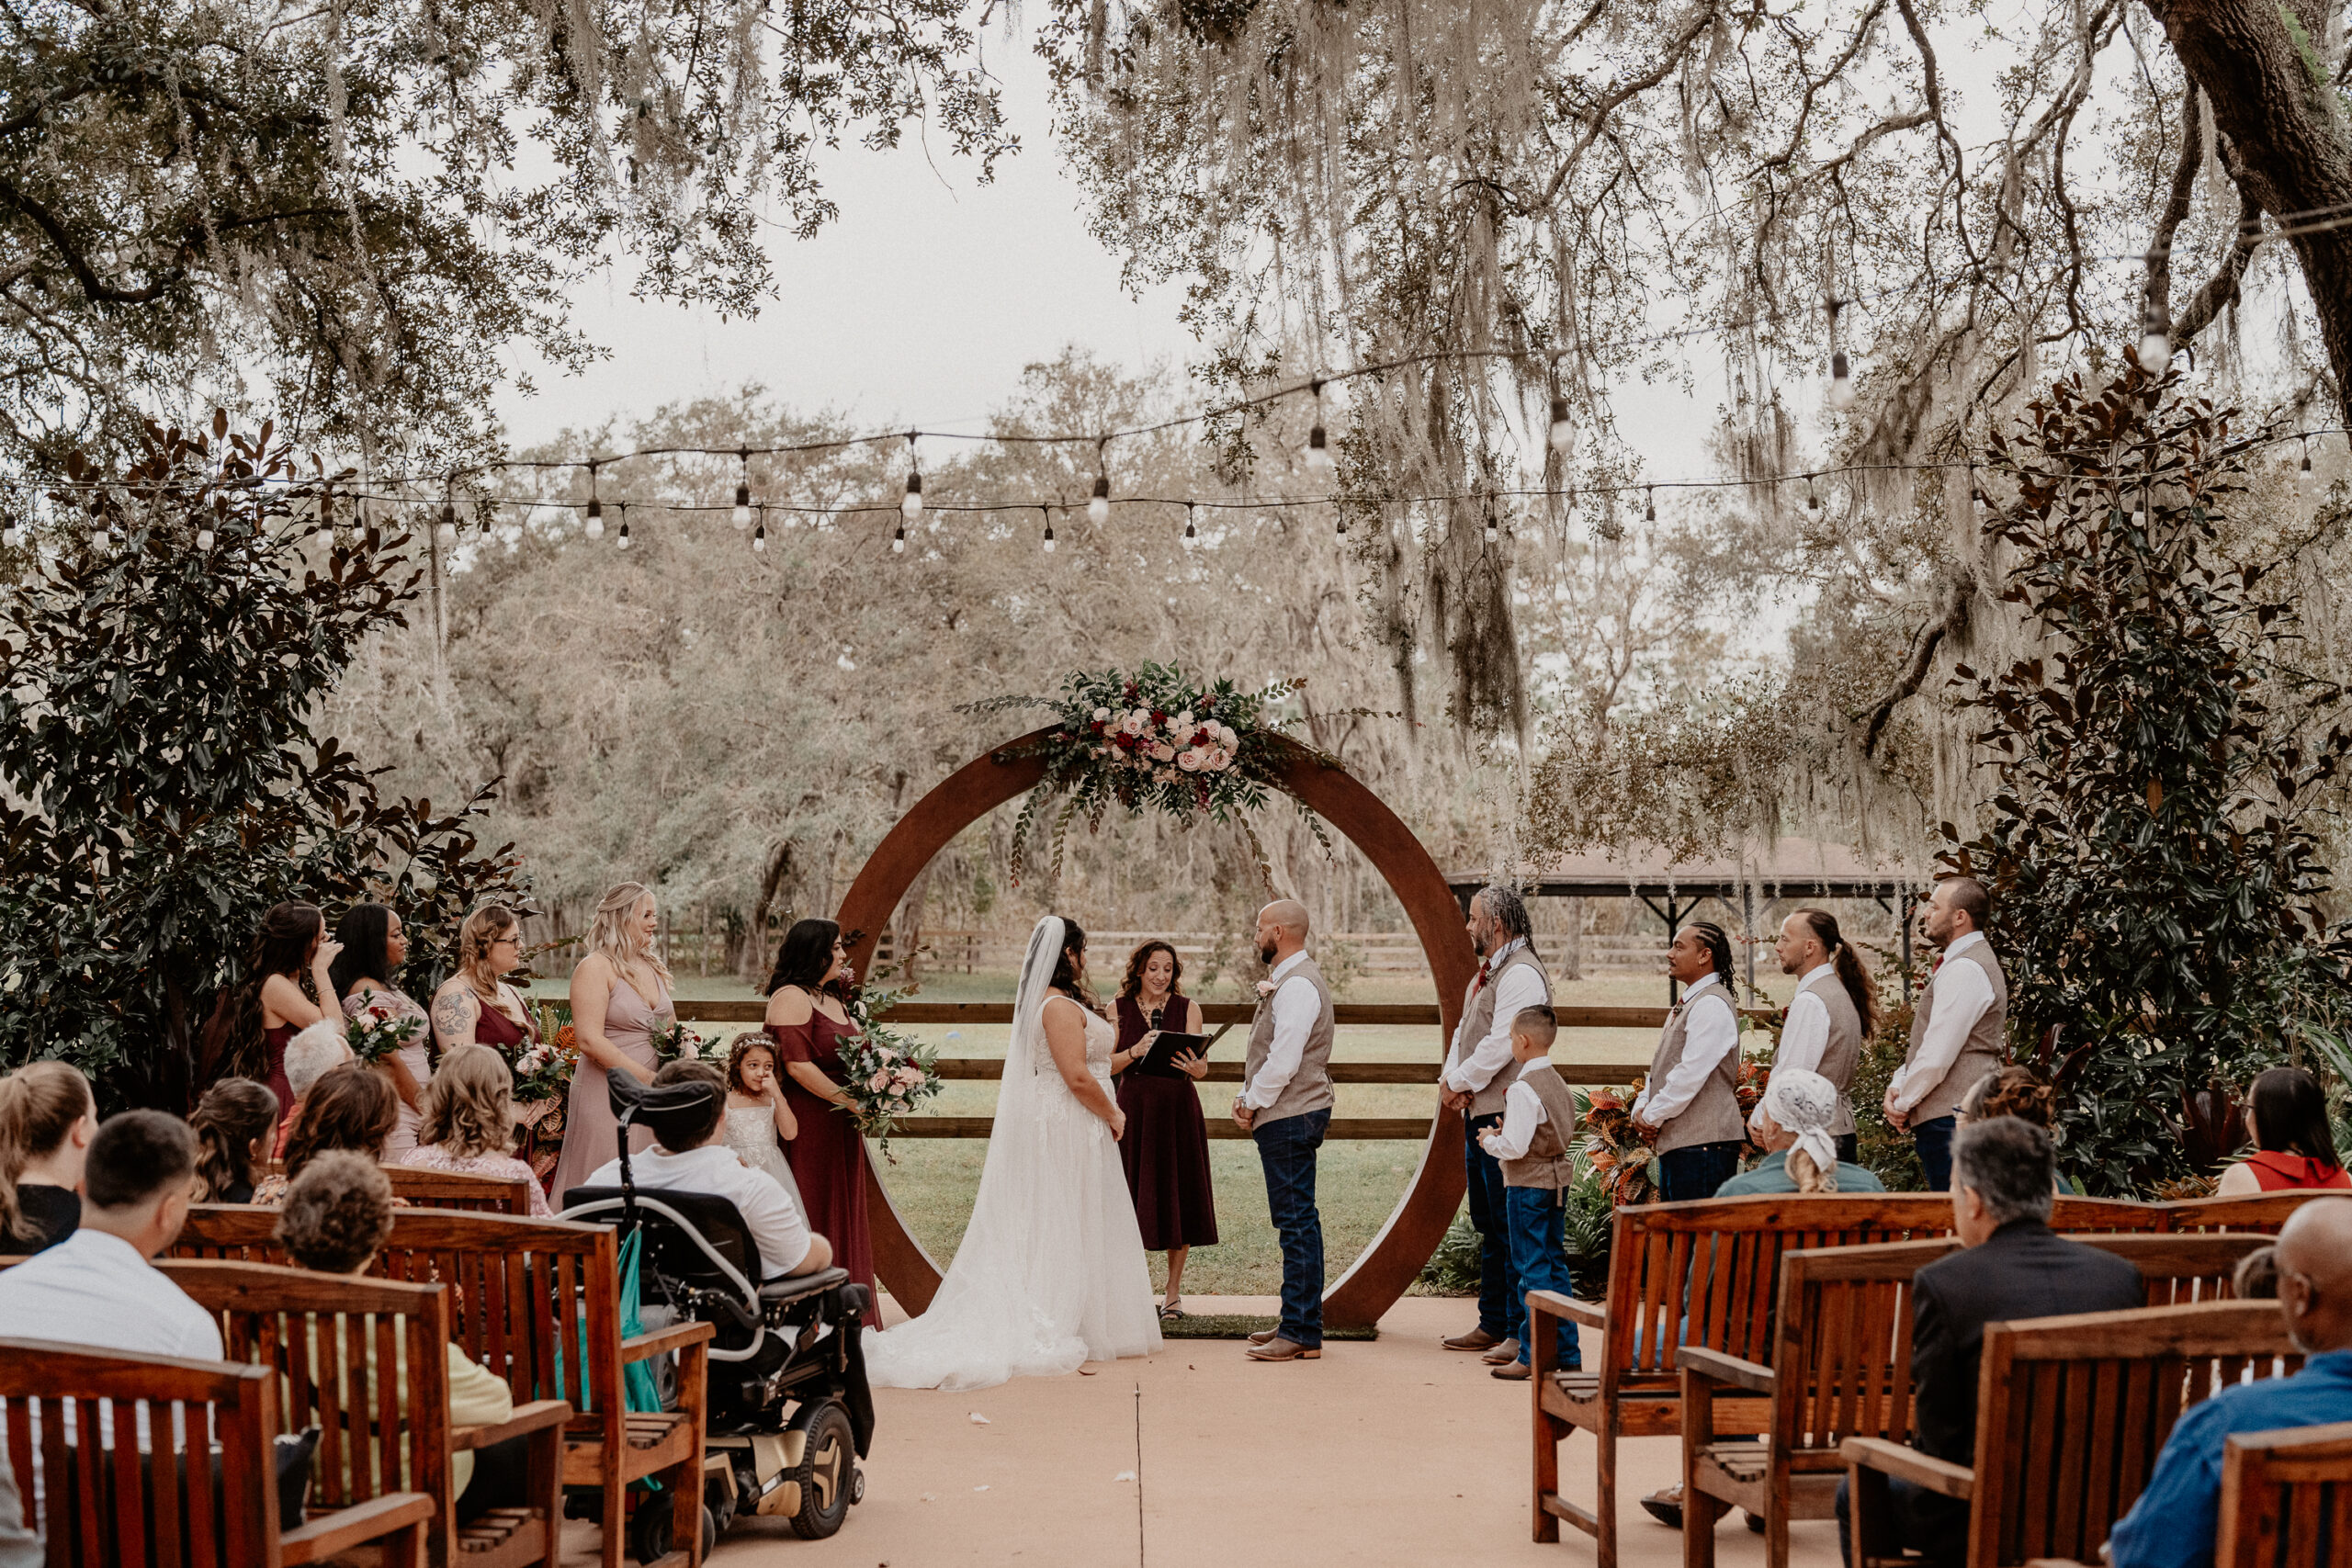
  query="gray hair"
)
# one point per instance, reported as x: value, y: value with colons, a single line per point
x: 312, y: 1054
x: 1508, y: 909
x: 2010, y: 1164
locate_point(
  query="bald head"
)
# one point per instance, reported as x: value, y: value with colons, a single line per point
x: 2315, y: 1274
x: 1282, y: 930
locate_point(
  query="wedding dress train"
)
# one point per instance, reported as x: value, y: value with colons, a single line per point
x: 1051, y: 1272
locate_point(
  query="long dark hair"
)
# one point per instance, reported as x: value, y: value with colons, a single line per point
x: 1850, y: 971
x: 232, y: 1042
x: 804, y: 955
x: 1717, y: 943
x: 232, y: 1113
x: 1136, y: 961
x: 2291, y: 1115
x: 366, y: 933
x: 1070, y: 972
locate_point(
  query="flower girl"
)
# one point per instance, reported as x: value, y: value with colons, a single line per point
x: 759, y: 1122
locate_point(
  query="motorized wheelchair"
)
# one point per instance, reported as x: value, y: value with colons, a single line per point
x: 790, y: 1411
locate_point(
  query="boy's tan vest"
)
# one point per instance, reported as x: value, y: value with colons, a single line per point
x: 1546, y: 1162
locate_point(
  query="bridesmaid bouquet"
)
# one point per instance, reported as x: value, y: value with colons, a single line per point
x: 544, y: 1071
x: 885, y: 1074
x: 673, y: 1042
x: 374, y: 1033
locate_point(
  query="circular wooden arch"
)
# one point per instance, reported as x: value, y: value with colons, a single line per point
x: 1396, y: 1254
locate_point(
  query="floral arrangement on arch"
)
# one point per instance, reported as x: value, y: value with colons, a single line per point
x: 1154, y: 738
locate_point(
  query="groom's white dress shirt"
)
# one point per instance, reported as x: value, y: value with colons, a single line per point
x: 1963, y: 993
x: 1519, y: 988
x: 1295, y: 1005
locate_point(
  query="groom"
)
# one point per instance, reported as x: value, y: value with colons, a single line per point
x: 1284, y: 1105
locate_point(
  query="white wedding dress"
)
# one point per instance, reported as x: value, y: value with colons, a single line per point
x: 1051, y: 1272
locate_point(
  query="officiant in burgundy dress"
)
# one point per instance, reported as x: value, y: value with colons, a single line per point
x: 1165, y: 1150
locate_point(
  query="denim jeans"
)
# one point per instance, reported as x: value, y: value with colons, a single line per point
x: 1286, y: 1148
x: 1933, y: 1140
x: 1502, y: 1301
x: 1538, y: 1262
x: 1695, y: 1171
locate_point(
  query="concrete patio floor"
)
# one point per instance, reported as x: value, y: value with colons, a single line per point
x: 1389, y: 1453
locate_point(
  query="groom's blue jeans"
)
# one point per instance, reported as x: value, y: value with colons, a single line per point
x: 1286, y: 1148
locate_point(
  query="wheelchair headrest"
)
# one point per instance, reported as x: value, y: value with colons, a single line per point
x: 714, y: 1218
x: 662, y: 1109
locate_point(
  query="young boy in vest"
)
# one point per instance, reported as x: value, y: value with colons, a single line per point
x: 1532, y: 1144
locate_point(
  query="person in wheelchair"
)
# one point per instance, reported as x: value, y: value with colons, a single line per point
x: 690, y: 1154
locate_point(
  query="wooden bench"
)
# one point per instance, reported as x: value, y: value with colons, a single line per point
x: 2286, y: 1498
x: 524, y: 1293
x: 2071, y: 1413
x: 1701, y: 1274
x: 1841, y: 1368
x: 335, y: 1373
x: 103, y: 1506
x: 458, y: 1190
x: 2262, y: 1212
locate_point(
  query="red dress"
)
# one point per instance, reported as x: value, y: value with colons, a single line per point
x: 829, y: 1156
x: 1165, y: 1151
x: 508, y: 1038
x: 275, y: 1041
x: 2279, y: 1171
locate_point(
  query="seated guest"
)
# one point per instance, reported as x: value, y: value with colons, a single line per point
x: 2286, y: 1119
x: 236, y: 1120
x: 696, y: 1158
x: 469, y: 1124
x: 310, y: 1054
x: 2173, y: 1524
x: 47, y: 1120
x: 2004, y: 1181
x: 2015, y: 1090
x: 338, y: 1213
x: 350, y: 1109
x: 1792, y: 1120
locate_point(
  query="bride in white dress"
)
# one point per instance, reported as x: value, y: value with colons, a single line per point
x: 1051, y: 1272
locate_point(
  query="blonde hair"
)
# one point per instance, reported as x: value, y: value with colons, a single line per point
x: 1809, y: 1177
x: 40, y: 1102
x: 485, y: 924
x: 609, y: 933
x: 469, y: 1104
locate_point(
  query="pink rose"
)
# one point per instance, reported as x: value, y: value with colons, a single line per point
x: 909, y: 1075
x: 878, y: 1082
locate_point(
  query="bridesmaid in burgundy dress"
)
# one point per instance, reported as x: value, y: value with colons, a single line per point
x: 808, y: 1022
x: 247, y: 1035
x: 1165, y: 1151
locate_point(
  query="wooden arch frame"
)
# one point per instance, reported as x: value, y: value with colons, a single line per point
x: 1396, y: 1254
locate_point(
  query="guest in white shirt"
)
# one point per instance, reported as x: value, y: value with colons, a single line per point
x: 1958, y: 1029
x: 1693, y: 1096
x: 96, y: 1288
x: 698, y: 1160
x: 1833, y: 1013
x: 1479, y: 1072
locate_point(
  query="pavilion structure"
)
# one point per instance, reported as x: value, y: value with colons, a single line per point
x: 1750, y: 885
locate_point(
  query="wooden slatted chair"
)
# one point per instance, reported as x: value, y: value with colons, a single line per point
x: 339, y: 1373
x: 2264, y: 1211
x: 524, y: 1290
x: 102, y: 1506
x: 1841, y: 1368
x: 458, y: 1189
x: 2071, y: 1413
x: 2286, y: 1498
x: 1701, y: 1274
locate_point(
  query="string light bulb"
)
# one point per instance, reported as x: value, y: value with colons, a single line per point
x: 1191, y: 534
x: 1649, y: 503
x: 910, y: 504
x: 743, y: 492
x: 449, y: 521
x: 1977, y: 501
x: 1492, y: 532
x: 623, y: 540
x: 1098, y: 509
x: 2303, y: 474
x: 1049, y: 529
x: 1841, y: 376
x: 1318, y: 440
x: 760, y: 534
x: 1812, y: 495
x: 595, y: 528
x: 1343, y: 522
x: 1563, y: 434
x: 2155, y: 331
x: 899, y: 539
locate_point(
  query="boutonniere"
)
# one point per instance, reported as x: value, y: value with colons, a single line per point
x: 1265, y: 989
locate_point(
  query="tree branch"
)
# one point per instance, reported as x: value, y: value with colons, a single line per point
x: 1951, y: 618
x: 94, y: 287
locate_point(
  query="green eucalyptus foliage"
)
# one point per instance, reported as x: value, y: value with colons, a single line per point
x: 2162, y: 757
x: 163, y: 781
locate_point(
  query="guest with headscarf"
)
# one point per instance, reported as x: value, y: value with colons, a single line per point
x: 1793, y: 1120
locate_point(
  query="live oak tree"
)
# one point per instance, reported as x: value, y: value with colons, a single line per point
x: 341, y: 215
x: 167, y: 775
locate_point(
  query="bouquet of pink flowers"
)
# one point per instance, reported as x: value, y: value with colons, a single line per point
x: 886, y: 1075
x: 543, y: 1071
x: 374, y: 1033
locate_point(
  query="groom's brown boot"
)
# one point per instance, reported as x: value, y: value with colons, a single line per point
x: 1280, y: 1350
x: 1476, y: 1340
x: 1264, y: 1335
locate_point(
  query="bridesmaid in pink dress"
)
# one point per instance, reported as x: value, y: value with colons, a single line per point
x: 620, y: 994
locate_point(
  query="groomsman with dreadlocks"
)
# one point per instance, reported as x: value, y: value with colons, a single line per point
x: 1479, y: 1072
x: 1692, y: 1095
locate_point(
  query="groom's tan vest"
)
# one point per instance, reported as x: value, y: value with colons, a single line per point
x: 1980, y: 1053
x: 1310, y: 1088
x: 1479, y: 1022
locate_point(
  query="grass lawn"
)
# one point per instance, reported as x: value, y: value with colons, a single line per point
x: 1359, y: 1183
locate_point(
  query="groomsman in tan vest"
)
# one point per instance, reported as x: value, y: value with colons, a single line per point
x: 1285, y: 1106
x: 1834, y: 1012
x: 1960, y: 1029
x: 1692, y: 1095
x: 1479, y: 1071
